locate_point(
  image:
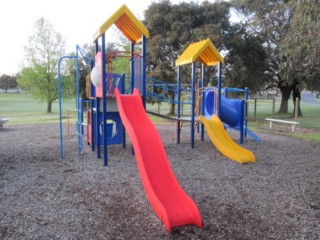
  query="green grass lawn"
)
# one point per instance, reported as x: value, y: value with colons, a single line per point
x: 310, y: 118
x: 23, y: 109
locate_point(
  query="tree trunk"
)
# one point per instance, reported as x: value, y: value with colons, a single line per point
x: 49, y: 107
x: 296, y: 95
x: 171, y: 95
x: 172, y: 109
x: 285, y: 95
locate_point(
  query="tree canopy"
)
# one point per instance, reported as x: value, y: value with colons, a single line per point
x: 301, y: 44
x: 245, y: 63
x: 289, y: 30
x: 173, y: 27
x: 39, y: 74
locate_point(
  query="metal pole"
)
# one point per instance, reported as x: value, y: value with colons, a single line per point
x: 144, y: 65
x: 93, y: 103
x: 246, y: 109
x: 203, y: 70
x: 104, y: 100
x: 179, y: 98
x: 219, y: 87
x: 193, y: 77
x: 60, y: 104
x: 123, y: 87
x: 78, y: 102
x: 97, y: 132
x: 132, y: 65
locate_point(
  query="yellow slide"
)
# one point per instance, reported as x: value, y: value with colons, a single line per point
x: 224, y: 142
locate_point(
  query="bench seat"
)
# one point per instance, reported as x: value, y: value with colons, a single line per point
x: 3, y: 121
x: 293, y: 123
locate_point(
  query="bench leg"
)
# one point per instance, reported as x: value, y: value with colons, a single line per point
x: 270, y: 125
x: 293, y: 127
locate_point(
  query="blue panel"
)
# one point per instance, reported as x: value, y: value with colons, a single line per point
x: 117, y: 138
x: 208, y: 104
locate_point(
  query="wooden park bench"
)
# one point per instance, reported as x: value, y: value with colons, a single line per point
x: 3, y: 121
x: 293, y: 123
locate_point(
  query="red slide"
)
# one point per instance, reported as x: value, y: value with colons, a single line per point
x: 172, y: 205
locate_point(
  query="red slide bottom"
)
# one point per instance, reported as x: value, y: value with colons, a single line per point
x: 172, y: 205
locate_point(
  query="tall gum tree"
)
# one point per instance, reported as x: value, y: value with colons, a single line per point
x: 39, y: 74
x: 300, y: 47
x: 290, y: 29
x: 269, y: 20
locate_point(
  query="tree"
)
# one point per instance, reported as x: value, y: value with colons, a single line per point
x: 173, y: 27
x: 276, y: 22
x: 301, y: 47
x: 245, y: 63
x: 7, y: 81
x: 268, y: 19
x: 39, y: 74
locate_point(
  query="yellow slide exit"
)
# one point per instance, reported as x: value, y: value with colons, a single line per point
x: 224, y: 142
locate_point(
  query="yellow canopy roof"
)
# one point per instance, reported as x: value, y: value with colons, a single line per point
x: 127, y: 23
x: 204, y: 51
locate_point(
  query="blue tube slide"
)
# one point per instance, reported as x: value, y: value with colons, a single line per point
x: 230, y: 113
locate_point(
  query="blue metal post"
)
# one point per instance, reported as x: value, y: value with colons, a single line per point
x: 246, y: 109
x: 241, y: 121
x: 78, y: 102
x: 133, y: 75
x: 122, y: 90
x: 60, y: 104
x: 97, y: 132
x: 203, y: 71
x: 144, y: 66
x: 226, y: 91
x: 219, y: 87
x: 104, y: 99
x: 81, y: 115
x: 179, y: 103
x: 132, y: 66
x: 93, y: 103
x: 193, y: 78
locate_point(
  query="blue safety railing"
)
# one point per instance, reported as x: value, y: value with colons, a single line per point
x: 160, y: 91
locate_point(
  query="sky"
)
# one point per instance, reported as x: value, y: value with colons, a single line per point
x: 75, y: 20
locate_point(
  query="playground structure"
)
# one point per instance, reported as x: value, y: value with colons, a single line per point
x: 169, y: 201
x: 234, y: 111
x: 116, y: 108
x: 212, y: 104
